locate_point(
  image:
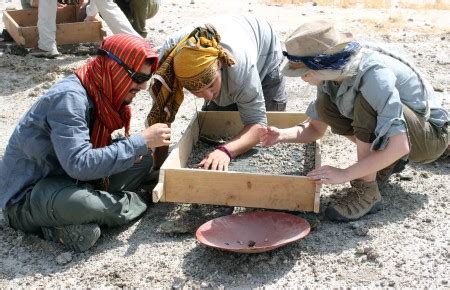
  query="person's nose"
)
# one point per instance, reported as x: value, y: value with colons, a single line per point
x: 143, y: 86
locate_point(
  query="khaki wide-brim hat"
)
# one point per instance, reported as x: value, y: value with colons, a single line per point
x: 312, y: 38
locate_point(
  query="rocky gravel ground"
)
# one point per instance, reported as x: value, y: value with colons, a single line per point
x: 407, y: 244
x: 280, y: 159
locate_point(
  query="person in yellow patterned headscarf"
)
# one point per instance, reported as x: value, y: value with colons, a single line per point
x: 233, y: 64
x: 191, y: 64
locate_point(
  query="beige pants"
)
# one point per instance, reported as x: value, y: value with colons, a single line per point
x: 427, y: 141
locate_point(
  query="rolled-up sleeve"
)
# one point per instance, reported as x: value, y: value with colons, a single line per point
x: 311, y: 110
x: 378, y: 88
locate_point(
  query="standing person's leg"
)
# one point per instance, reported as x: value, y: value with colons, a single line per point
x: 116, y: 18
x: 25, y: 4
x: 152, y: 8
x: 274, y: 91
x: 140, y: 11
x: 69, y: 212
x: 47, y: 29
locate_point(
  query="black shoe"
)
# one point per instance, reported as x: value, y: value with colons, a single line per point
x: 78, y: 238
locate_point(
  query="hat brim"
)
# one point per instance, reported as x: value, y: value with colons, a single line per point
x: 289, y: 72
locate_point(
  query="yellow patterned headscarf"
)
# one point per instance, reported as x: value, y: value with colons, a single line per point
x: 192, y: 64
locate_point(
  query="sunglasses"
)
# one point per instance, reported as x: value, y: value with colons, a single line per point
x: 137, y: 77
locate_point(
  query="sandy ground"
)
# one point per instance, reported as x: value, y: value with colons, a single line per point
x: 407, y: 244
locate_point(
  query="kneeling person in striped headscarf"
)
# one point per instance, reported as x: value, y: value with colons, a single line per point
x: 232, y: 62
x: 62, y: 176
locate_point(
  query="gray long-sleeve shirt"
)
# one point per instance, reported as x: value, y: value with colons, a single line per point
x: 257, y: 51
x: 53, y: 139
x: 386, y: 83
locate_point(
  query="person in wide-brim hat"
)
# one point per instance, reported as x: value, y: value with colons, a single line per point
x: 370, y: 95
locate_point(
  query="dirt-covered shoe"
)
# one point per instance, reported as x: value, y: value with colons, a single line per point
x: 361, y: 198
x: 37, y: 52
x: 384, y: 174
x: 78, y: 238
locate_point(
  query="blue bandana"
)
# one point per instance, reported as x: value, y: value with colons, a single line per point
x: 335, y: 61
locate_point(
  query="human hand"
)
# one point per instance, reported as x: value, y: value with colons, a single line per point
x: 90, y: 19
x: 216, y: 160
x: 157, y: 135
x: 328, y: 175
x: 269, y: 136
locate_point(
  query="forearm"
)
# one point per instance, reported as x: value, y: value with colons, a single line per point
x: 376, y: 160
x: 85, y: 163
x: 304, y: 133
x: 245, y: 140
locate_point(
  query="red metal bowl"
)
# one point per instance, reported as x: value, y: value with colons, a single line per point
x: 252, y: 232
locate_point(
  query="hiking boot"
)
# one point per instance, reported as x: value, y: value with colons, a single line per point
x: 384, y: 174
x: 78, y: 238
x: 361, y: 198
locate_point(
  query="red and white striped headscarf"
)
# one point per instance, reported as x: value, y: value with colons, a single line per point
x: 107, y: 84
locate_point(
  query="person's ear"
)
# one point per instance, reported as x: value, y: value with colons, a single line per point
x: 219, y: 64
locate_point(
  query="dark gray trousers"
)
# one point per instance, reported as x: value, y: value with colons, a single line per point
x: 274, y: 91
x: 61, y: 200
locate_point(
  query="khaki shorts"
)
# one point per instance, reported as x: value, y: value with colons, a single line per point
x: 427, y: 142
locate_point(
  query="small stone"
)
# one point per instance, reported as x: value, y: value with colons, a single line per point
x: 367, y: 249
x: 372, y: 255
x: 405, y: 177
x: 362, y: 231
x: 355, y: 225
x: 424, y: 175
x: 444, y: 282
x: 359, y: 250
x: 64, y: 258
x: 204, y: 284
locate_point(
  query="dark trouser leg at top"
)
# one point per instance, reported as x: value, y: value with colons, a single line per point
x: 275, y: 97
x: 274, y: 90
x: 140, y: 11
